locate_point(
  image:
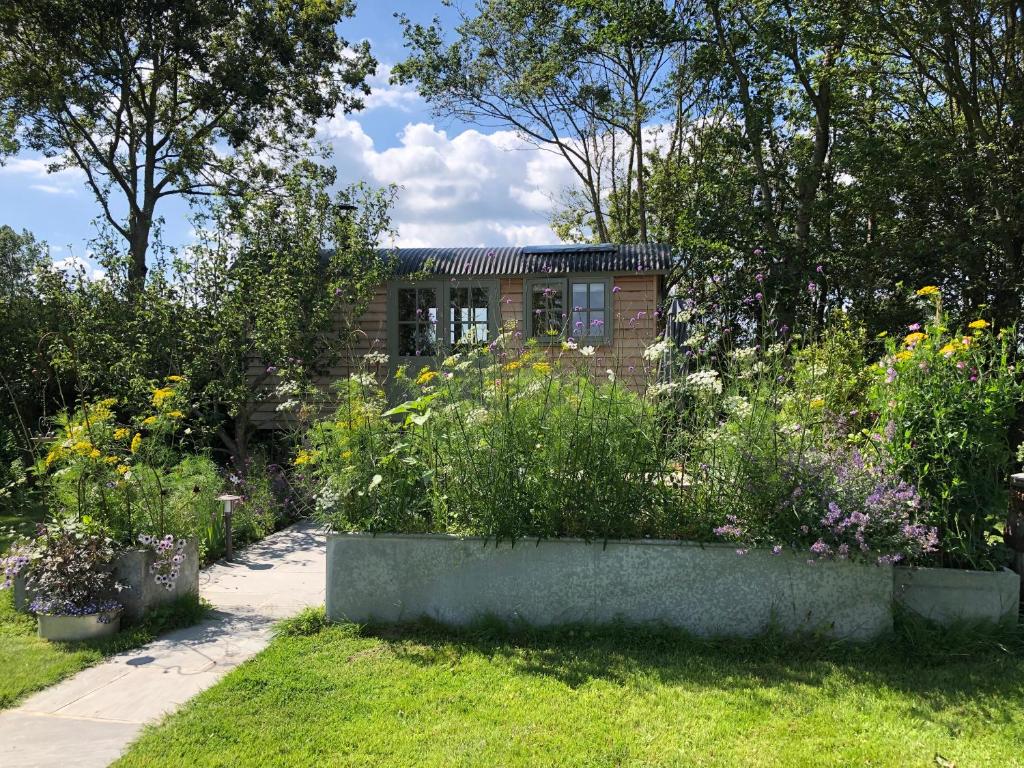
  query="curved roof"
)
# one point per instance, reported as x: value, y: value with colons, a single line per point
x: 533, y: 259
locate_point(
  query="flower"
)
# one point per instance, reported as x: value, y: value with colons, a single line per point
x: 914, y: 327
x: 948, y: 350
x: 136, y: 443
x: 817, y: 402
x: 890, y: 375
x: 161, y: 395
x: 928, y: 290
x: 978, y: 325
x: 149, y: 421
x: 913, y: 339
x: 175, y: 379
x: 94, y: 453
x: 542, y: 367
x: 426, y: 376
x: 121, y: 433
x: 176, y: 414
x: 616, y: 289
x: 587, y: 351
x: 304, y: 457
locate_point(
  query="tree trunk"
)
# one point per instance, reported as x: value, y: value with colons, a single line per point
x: 139, y: 226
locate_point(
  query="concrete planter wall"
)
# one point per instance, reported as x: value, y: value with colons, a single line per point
x: 946, y: 595
x: 75, y: 628
x: 707, y: 590
x: 143, y: 593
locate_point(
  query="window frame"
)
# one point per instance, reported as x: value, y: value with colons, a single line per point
x: 443, y: 289
x: 566, y: 282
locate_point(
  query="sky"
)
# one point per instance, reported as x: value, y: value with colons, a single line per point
x: 460, y: 184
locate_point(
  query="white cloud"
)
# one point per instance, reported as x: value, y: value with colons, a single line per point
x: 52, y: 189
x: 76, y: 266
x: 63, y: 182
x: 468, y: 189
x: 384, y: 95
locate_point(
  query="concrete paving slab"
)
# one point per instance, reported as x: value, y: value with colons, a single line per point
x: 88, y: 720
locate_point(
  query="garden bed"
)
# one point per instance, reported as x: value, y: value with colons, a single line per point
x: 706, y: 589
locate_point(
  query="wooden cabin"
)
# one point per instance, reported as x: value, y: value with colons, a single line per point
x: 603, y: 296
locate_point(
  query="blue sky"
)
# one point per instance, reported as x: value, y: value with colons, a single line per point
x: 461, y: 184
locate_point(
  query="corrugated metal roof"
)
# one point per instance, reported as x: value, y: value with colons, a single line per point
x: 533, y: 259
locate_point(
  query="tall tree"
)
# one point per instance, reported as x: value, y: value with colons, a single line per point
x: 583, y: 78
x: 156, y: 98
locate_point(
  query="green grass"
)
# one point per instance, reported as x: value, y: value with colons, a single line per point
x: 13, y: 524
x: 423, y: 696
x: 29, y: 664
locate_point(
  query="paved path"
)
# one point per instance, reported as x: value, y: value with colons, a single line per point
x: 88, y: 720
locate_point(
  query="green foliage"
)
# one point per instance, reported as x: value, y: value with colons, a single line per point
x: 946, y: 400
x: 306, y: 623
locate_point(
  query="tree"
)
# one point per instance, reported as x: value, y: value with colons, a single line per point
x: 582, y: 78
x: 156, y: 98
x: 272, y: 291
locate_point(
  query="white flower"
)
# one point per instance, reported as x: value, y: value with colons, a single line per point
x: 662, y: 388
x: 694, y: 341
x: 705, y: 380
x: 365, y: 379
x: 744, y: 353
x: 288, y: 405
x: 587, y: 351
x: 738, y: 405
x: 611, y: 375
x: 375, y: 358
x: 571, y: 344
x: 658, y: 350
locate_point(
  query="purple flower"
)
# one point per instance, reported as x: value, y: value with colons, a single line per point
x: 616, y: 289
x: 758, y: 296
x: 759, y: 277
x: 820, y: 269
x: 890, y: 375
x: 914, y: 327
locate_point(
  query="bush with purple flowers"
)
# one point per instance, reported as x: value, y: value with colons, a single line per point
x: 170, y: 555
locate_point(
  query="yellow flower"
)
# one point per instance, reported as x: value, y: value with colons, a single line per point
x: 110, y: 402
x: 928, y: 290
x: 110, y: 459
x: 346, y: 454
x: 978, y: 325
x: 82, y: 446
x: 426, y: 376
x: 53, y: 455
x: 906, y: 354
x: 121, y: 433
x: 304, y: 457
x: 95, y: 453
x: 176, y: 415
x: 948, y: 350
x: 175, y: 378
x: 149, y: 421
x: 513, y: 365
x: 136, y: 442
x: 122, y: 469
x: 882, y: 335
x: 162, y: 394
x: 817, y: 402
x: 542, y: 367
x: 913, y: 339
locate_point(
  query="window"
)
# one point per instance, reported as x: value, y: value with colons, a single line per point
x: 546, y: 306
x: 428, y: 318
x: 417, y: 321
x: 468, y: 315
x: 589, y: 311
x: 587, y: 319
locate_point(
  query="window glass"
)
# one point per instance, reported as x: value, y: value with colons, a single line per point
x: 590, y: 316
x: 417, y: 322
x: 468, y: 315
x: 547, y: 310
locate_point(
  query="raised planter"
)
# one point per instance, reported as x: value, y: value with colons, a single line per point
x: 132, y: 569
x: 143, y: 593
x: 75, y: 628
x: 705, y: 589
x: 945, y: 595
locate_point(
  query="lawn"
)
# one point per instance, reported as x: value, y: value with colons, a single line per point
x: 422, y: 696
x: 29, y: 664
x: 13, y: 524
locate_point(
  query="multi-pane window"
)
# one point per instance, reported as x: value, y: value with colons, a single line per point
x: 546, y: 307
x: 417, y: 321
x: 569, y: 308
x: 468, y: 315
x: 589, y: 310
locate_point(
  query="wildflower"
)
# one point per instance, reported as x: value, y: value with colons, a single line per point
x: 542, y: 367
x: 657, y: 350
x: 110, y: 459
x: 175, y: 379
x: 136, y: 443
x: 122, y: 469
x: 121, y: 433
x: 161, y: 395
x: 304, y: 457
x: 94, y: 453
x: 913, y: 339
x: 587, y: 351
x: 176, y: 415
x: 149, y: 421
x: 928, y: 290
x: 902, y: 355
x: 512, y: 365
x: 890, y: 375
x: 817, y: 402
x: 978, y: 325
x: 426, y: 376
x: 82, y: 447
x: 705, y: 380
x: 914, y: 327
x: 948, y: 350
x: 759, y: 277
x: 616, y: 289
